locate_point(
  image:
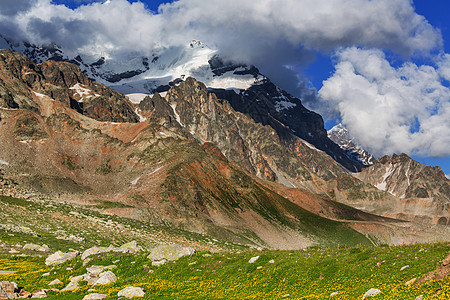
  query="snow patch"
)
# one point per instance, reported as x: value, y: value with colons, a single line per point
x: 133, y: 182
x: 137, y: 98
x: 42, y: 96
x: 2, y: 162
x: 177, y: 116
x: 310, y: 146
x: 141, y: 118
x: 82, y: 91
x: 382, y: 185
x: 155, y: 170
x: 282, y: 105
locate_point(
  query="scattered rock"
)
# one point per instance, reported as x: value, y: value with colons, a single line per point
x: 71, y: 238
x: 24, y: 294
x: 440, y: 273
x: 206, y: 255
x: 86, y: 261
x: 77, y: 278
x: 253, y: 259
x: 41, y: 293
x: 105, y: 278
x: 404, y: 267
x: 158, y: 263
x: 420, y: 297
x: 56, y: 281
x: 73, y: 284
x: 92, y: 251
x: 131, y: 247
x: 93, y: 273
x: 59, y: 257
x: 45, y: 274
x: 8, y: 289
x: 34, y: 247
x: 7, y: 272
x: 96, y: 270
x: 271, y: 261
x: 131, y: 291
x: 446, y: 261
x: 170, y: 252
x: 95, y: 296
x: 410, y: 282
x: 13, y: 251
x: 286, y: 296
x: 371, y: 293
x: 333, y: 294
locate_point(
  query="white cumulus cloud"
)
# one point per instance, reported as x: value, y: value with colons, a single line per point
x: 267, y: 33
x: 388, y: 109
x: 262, y: 32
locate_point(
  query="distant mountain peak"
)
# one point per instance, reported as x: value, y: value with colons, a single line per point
x: 340, y: 135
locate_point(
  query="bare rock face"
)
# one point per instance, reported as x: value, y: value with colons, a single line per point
x: 423, y: 192
x: 197, y: 163
x: 21, y: 81
x: 340, y: 135
x: 267, y: 104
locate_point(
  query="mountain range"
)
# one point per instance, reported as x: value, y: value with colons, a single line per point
x: 205, y: 145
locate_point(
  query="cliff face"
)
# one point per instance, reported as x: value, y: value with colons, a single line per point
x: 271, y: 152
x: 340, y: 135
x: 423, y: 191
x: 22, y: 80
x: 267, y: 104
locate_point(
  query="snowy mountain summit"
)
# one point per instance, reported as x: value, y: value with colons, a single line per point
x: 340, y: 135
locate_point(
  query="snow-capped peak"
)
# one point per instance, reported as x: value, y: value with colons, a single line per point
x: 340, y: 135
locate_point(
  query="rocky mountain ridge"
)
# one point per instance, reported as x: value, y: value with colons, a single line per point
x: 340, y: 135
x: 247, y: 90
x: 423, y: 189
x: 195, y: 164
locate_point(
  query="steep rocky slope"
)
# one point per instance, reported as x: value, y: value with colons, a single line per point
x: 340, y: 135
x: 192, y: 164
x: 161, y: 173
x: 423, y: 191
x: 246, y: 89
x: 21, y: 81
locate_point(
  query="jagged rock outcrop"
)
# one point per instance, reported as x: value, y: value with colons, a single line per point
x: 272, y: 154
x: 269, y: 105
x: 340, y: 135
x: 423, y: 191
x: 21, y: 81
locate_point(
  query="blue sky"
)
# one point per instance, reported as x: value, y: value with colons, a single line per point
x: 378, y: 67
